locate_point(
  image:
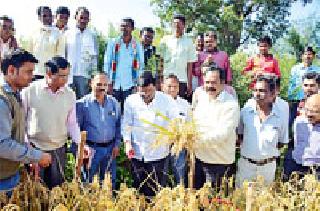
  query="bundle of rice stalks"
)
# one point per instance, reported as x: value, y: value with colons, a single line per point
x: 179, y: 134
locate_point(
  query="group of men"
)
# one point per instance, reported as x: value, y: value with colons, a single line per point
x: 37, y: 119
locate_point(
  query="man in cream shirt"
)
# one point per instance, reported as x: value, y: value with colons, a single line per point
x: 46, y: 41
x: 51, y: 115
x: 217, y: 114
x: 179, y: 53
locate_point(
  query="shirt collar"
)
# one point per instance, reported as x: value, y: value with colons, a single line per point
x: 84, y: 31
x: 45, y: 86
x: 252, y: 107
x: 92, y: 98
x: 301, y: 65
x: 7, y: 88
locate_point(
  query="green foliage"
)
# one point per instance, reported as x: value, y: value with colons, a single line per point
x: 70, y: 167
x: 123, y: 169
x: 286, y: 62
x: 240, y: 82
x: 236, y: 21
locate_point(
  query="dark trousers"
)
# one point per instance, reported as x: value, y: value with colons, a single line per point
x: 293, y: 112
x: 148, y: 176
x: 213, y: 173
x: 53, y: 175
x: 290, y: 166
x: 80, y: 85
x: 121, y: 95
x: 37, y: 77
x: 183, y: 88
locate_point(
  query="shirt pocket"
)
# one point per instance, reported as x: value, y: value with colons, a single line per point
x: 270, y: 135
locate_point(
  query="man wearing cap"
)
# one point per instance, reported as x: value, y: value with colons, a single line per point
x: 51, y: 115
x: 178, y: 53
x: 99, y: 114
x: 295, y: 91
x: 148, y: 161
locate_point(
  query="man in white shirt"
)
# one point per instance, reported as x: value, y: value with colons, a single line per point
x: 51, y: 115
x: 82, y: 53
x: 216, y: 113
x: 179, y: 53
x: 46, y: 41
x: 171, y: 87
x: 148, y: 161
x: 7, y: 40
x: 263, y: 131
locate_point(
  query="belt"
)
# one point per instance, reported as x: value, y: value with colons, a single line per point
x: 260, y: 162
x: 104, y: 144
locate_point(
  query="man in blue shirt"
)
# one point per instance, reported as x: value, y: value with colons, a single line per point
x: 295, y: 91
x: 17, y: 69
x: 99, y: 114
x: 124, y: 60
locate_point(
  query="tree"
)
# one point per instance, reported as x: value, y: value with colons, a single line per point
x: 236, y: 21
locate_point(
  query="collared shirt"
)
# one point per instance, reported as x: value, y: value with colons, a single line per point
x: 306, y: 142
x: 82, y: 52
x: 124, y: 76
x: 46, y: 43
x: 184, y: 108
x: 102, y: 122
x: 267, y: 64
x: 141, y: 134
x: 260, y: 139
x: 176, y: 54
x: 9, y: 148
x: 221, y: 58
x: 295, y: 91
x: 6, y: 47
x: 217, y: 120
x: 36, y: 109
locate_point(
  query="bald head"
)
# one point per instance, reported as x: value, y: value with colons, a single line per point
x: 312, y: 108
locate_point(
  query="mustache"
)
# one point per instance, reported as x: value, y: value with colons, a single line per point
x: 211, y: 89
x: 258, y: 97
x: 101, y: 90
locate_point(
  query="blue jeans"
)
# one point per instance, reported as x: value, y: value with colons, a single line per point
x: 6, y: 185
x: 102, y: 161
x: 80, y: 86
x: 179, y: 166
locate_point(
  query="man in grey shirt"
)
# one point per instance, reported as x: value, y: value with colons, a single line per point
x: 17, y: 69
